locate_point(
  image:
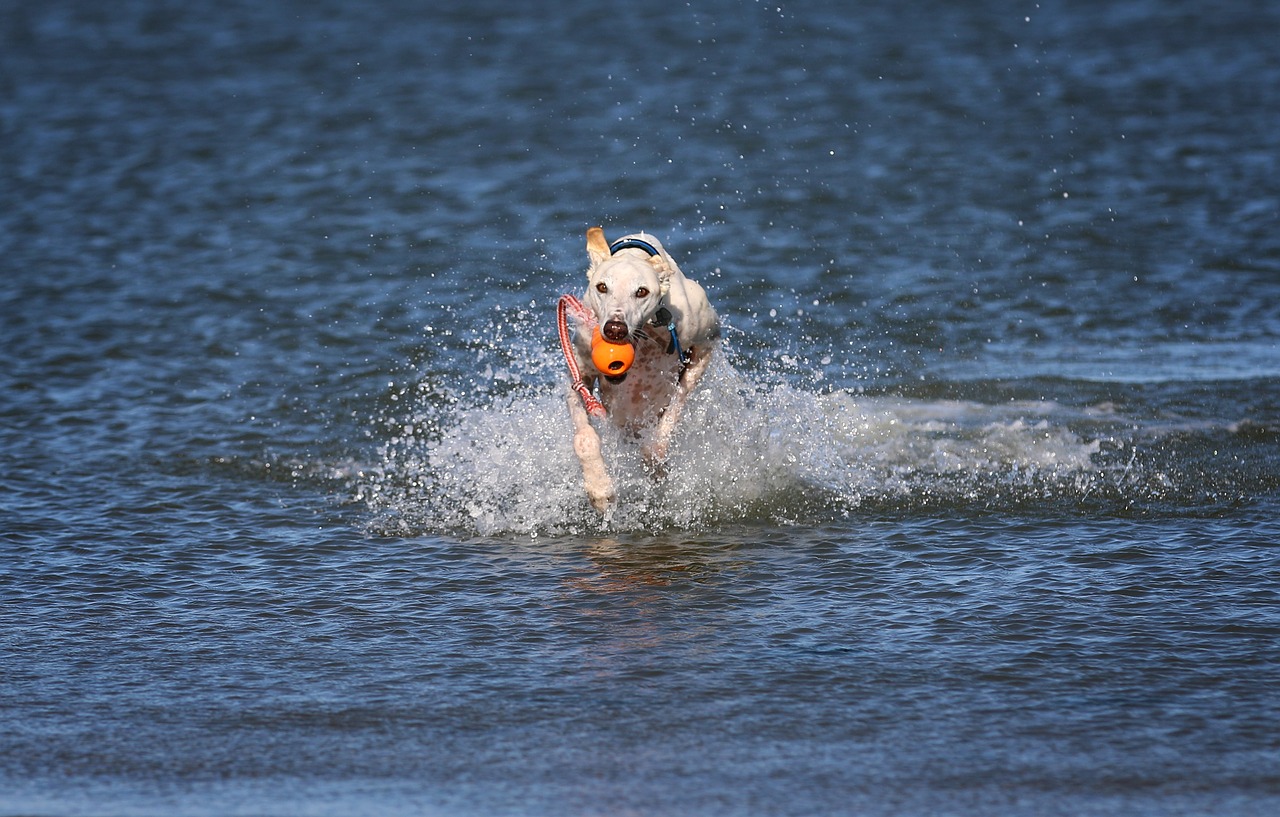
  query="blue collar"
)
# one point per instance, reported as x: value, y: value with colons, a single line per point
x: 630, y: 243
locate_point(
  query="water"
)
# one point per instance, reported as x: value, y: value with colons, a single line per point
x: 976, y: 515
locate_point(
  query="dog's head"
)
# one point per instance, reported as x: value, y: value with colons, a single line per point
x: 626, y: 282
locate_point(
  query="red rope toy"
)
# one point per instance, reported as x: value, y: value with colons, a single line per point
x: 568, y: 302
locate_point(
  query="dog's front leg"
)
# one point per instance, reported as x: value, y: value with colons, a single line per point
x: 586, y: 444
x: 654, y: 451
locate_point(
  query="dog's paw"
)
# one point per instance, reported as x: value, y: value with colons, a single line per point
x: 654, y: 455
x: 602, y: 494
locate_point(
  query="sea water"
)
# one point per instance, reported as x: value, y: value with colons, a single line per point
x: 975, y: 512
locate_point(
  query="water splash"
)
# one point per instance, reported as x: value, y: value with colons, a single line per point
x: 746, y: 450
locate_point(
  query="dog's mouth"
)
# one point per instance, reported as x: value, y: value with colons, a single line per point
x: 615, y: 330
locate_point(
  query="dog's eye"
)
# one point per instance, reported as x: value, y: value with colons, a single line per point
x: 642, y: 292
x: 602, y: 287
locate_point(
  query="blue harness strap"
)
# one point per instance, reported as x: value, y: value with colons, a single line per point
x: 663, y: 316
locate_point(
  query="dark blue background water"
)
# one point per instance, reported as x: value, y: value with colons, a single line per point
x: 976, y: 515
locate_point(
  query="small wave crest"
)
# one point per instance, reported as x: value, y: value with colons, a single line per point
x: 744, y: 451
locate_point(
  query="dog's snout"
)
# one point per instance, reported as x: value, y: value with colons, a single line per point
x: 615, y: 330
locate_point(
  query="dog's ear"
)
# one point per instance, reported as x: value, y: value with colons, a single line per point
x: 660, y: 264
x: 597, y: 246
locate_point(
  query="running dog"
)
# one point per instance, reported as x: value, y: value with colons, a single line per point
x: 635, y: 295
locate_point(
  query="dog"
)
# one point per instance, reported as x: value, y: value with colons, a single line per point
x: 637, y: 293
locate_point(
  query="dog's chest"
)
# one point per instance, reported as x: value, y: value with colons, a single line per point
x: 639, y: 400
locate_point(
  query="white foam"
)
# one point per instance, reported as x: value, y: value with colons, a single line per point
x: 745, y: 450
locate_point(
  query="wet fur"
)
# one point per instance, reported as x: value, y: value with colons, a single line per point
x: 624, y: 292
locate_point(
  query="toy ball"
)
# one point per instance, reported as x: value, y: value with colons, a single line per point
x: 611, y: 358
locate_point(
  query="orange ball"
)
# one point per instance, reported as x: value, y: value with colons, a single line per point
x: 611, y: 358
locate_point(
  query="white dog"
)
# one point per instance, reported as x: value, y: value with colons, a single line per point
x: 636, y: 293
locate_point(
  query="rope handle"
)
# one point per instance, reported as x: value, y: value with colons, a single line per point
x: 568, y: 302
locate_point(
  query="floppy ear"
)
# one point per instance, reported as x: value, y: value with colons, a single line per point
x: 597, y: 246
x: 664, y: 274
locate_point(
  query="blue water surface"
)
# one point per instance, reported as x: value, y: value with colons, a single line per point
x: 976, y: 513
